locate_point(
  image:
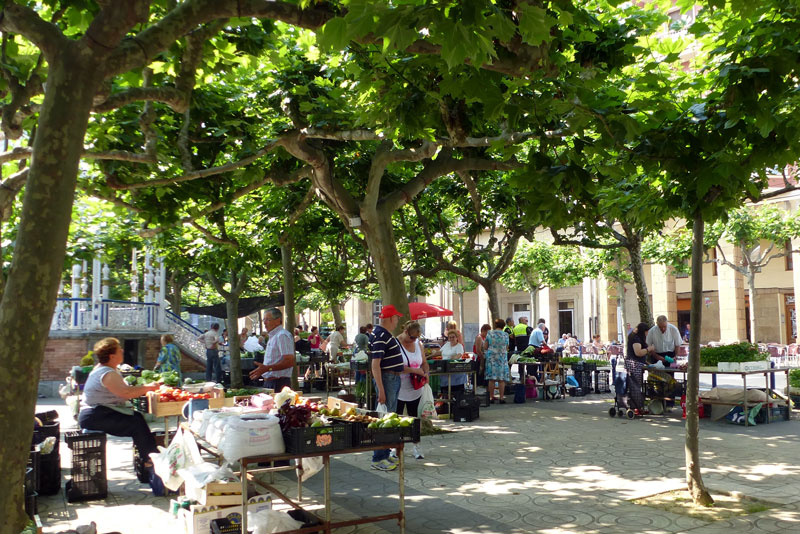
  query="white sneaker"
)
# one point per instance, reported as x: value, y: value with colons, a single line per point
x: 418, y: 453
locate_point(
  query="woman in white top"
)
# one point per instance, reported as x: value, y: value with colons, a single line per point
x: 414, y: 363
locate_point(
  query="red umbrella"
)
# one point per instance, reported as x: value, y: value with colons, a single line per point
x: 423, y: 310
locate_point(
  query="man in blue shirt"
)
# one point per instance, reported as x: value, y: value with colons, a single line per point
x: 387, y: 365
x: 537, y: 336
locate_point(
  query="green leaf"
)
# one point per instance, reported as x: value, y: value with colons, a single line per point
x: 334, y: 34
x: 535, y: 24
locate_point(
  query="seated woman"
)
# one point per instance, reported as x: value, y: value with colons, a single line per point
x: 103, y: 400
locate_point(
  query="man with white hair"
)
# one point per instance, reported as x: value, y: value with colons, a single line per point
x: 664, y: 339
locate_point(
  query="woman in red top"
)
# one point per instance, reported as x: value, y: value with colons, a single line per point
x: 314, y: 338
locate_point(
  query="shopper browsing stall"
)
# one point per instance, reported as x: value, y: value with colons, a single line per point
x: 414, y: 376
x: 634, y: 365
x: 279, y: 354
x: 497, y: 371
x: 387, y: 365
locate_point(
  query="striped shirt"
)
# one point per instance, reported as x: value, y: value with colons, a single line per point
x: 384, y: 347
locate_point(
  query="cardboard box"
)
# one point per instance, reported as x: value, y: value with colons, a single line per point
x: 197, y: 520
x: 339, y: 404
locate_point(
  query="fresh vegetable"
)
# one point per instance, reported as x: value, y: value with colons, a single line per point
x: 794, y: 378
x: 294, y: 416
x: 130, y: 380
x: 243, y: 392
x: 168, y: 394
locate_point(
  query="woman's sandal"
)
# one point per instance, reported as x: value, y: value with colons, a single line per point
x: 502, y: 401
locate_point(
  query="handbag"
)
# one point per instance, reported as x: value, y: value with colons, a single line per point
x: 418, y: 381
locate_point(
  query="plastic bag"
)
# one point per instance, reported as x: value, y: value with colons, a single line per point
x: 381, y: 408
x: 249, y: 436
x: 311, y: 466
x: 181, y: 453
x: 427, y: 406
x: 268, y: 521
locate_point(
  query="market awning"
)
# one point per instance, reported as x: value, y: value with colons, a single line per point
x: 423, y: 310
x: 247, y: 305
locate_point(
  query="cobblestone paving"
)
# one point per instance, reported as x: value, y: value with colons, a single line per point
x: 548, y: 467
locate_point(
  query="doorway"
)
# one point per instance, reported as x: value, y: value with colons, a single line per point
x: 131, y: 349
x: 565, y: 322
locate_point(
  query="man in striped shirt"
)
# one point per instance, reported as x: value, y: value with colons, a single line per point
x: 387, y: 364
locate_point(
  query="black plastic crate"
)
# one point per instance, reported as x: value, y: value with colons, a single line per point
x: 32, y: 504
x: 602, y: 382
x: 584, y: 379
x: 576, y: 392
x: 47, y: 417
x: 46, y: 430
x: 141, y: 404
x: 380, y: 436
x: 34, y: 464
x: 49, y: 474
x: 459, y: 366
x: 88, y: 470
x: 224, y: 525
x: 437, y: 366
x: 30, y: 481
x: 318, y: 438
x: 465, y: 414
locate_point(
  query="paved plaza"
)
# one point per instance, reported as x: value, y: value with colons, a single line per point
x: 550, y: 467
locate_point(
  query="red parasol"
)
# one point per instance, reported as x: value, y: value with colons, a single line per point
x: 423, y: 310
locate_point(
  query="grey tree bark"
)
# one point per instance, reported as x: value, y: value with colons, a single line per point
x: 694, y: 479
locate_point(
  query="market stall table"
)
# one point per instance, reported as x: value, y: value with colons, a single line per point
x: 328, y: 524
x: 744, y: 374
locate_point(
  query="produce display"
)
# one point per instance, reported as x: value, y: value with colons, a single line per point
x: 391, y: 420
x: 170, y: 378
x: 168, y: 394
x: 243, y: 392
x: 526, y: 359
x: 299, y: 415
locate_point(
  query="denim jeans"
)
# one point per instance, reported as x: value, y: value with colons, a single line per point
x: 391, y: 385
x: 213, y: 365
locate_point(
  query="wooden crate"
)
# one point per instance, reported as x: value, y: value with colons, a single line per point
x: 342, y: 406
x: 175, y: 408
x: 220, y: 494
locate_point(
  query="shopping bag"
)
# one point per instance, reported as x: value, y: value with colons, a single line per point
x: 427, y: 406
x: 382, y: 408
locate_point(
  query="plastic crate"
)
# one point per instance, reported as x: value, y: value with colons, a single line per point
x: 459, y: 366
x: 318, y: 438
x: 34, y: 464
x: 49, y: 474
x: 365, y: 436
x: 40, y: 433
x: 32, y: 504
x: 576, y: 392
x: 88, y: 469
x: 584, y: 379
x: 224, y: 525
x: 466, y: 413
x: 601, y: 382
x: 307, y: 518
x: 47, y: 417
x: 437, y: 366
x: 141, y: 404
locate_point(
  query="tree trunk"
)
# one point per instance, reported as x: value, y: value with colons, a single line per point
x: 336, y: 310
x: 751, y: 292
x: 694, y: 480
x: 534, y: 294
x: 637, y: 270
x: 622, y: 304
x: 176, y: 295
x: 38, y: 262
x: 494, y: 301
x: 232, y: 309
x: 290, y: 318
x: 412, y: 288
x: 379, y: 235
x: 461, y: 309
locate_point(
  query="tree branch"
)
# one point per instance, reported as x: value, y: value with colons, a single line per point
x: 211, y: 237
x: 19, y: 153
x: 442, y: 166
x: 294, y: 177
x: 384, y: 157
x: 559, y: 239
x: 26, y: 22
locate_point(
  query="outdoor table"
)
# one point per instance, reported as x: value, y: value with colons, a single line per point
x: 767, y: 373
x: 246, y: 474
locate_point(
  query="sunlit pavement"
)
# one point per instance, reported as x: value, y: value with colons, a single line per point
x: 551, y: 467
